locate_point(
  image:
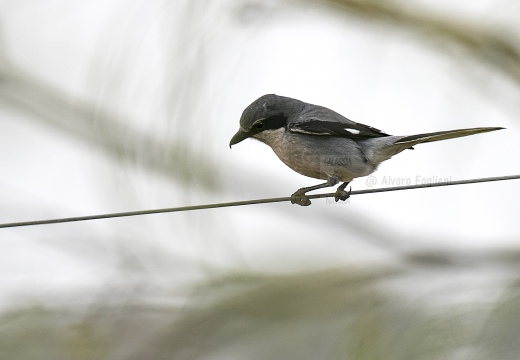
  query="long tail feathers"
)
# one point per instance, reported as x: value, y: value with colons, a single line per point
x: 443, y: 135
x: 383, y: 148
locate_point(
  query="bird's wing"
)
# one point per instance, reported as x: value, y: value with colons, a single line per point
x: 325, y: 122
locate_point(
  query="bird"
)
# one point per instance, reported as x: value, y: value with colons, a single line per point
x: 320, y: 143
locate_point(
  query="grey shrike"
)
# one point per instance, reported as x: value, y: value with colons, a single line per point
x: 322, y: 144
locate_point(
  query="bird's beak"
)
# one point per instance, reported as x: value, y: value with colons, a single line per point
x: 238, y: 137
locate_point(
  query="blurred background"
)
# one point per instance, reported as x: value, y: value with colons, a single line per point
x: 113, y: 105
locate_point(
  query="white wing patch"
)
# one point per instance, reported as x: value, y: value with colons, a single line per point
x: 352, y: 131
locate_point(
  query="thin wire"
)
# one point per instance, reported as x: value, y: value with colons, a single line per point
x: 251, y: 202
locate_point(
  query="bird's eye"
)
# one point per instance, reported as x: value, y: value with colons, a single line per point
x: 259, y: 125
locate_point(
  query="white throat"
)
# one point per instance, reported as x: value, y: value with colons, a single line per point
x: 273, y: 138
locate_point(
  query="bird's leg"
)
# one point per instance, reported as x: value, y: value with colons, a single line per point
x: 341, y: 194
x: 300, y: 198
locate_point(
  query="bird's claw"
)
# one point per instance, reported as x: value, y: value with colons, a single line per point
x: 300, y: 198
x: 342, y: 195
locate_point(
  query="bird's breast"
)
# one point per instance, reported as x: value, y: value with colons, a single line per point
x: 319, y: 157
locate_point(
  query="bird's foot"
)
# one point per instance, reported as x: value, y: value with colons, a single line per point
x: 300, y: 198
x: 342, y: 195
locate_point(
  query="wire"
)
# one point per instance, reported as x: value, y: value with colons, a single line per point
x: 251, y: 202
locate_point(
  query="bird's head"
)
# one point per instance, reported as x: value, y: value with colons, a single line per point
x: 267, y: 113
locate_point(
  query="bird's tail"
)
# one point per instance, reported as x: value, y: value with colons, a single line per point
x: 383, y: 148
x: 442, y: 135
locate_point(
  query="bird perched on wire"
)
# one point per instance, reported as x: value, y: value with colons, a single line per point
x: 322, y: 144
